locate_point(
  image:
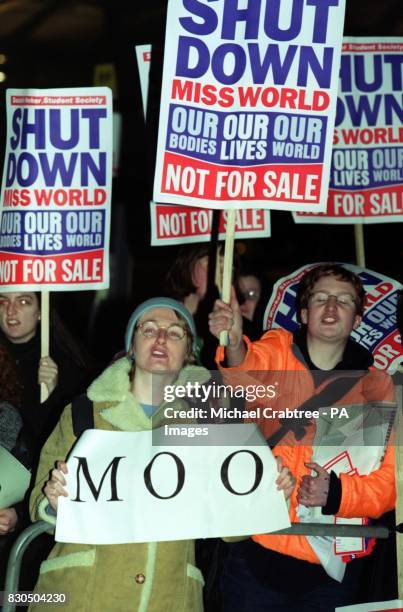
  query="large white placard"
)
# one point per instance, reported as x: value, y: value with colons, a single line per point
x: 248, y: 104
x: 56, y: 190
x: 366, y: 178
x: 176, y: 224
x: 124, y: 488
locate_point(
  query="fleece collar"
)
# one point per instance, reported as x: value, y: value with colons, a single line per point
x: 113, y: 385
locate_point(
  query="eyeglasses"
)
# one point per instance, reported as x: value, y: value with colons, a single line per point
x: 344, y: 300
x: 151, y: 329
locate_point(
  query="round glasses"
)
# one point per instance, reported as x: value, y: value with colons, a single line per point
x: 151, y: 329
x: 320, y: 298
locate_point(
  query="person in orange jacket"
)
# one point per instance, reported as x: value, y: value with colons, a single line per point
x: 319, y: 370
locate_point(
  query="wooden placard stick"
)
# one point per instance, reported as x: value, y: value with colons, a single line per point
x: 227, y: 273
x: 359, y: 245
x: 44, y: 337
x: 218, y: 269
x: 212, y: 254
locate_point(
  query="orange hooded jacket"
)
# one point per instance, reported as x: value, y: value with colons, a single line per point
x: 275, y: 358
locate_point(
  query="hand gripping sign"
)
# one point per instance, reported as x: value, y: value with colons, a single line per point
x: 124, y: 488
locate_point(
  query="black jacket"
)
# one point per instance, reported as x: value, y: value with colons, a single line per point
x: 40, y: 419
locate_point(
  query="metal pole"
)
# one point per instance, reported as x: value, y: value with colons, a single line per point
x: 15, y: 559
x: 341, y: 531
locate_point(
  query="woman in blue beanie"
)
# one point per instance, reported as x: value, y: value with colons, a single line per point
x: 128, y: 396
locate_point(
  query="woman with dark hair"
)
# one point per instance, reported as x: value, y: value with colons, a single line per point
x: 187, y: 277
x: 63, y: 373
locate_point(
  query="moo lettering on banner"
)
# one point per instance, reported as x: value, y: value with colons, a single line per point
x: 248, y: 104
x: 123, y: 488
x: 56, y: 189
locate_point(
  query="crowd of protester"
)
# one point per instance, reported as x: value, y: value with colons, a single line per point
x: 176, y: 336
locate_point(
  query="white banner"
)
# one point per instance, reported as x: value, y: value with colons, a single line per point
x: 124, y: 488
x: 143, y: 54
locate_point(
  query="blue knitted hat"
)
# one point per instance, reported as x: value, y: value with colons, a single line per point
x: 158, y: 302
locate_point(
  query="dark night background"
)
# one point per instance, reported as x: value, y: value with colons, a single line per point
x: 57, y: 43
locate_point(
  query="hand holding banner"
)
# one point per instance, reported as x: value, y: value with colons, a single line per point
x: 133, y: 491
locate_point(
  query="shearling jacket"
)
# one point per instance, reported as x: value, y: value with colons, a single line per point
x: 149, y: 577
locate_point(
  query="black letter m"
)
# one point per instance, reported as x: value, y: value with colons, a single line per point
x: 113, y: 466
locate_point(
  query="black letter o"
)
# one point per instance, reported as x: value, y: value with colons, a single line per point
x: 258, y: 476
x: 181, y: 476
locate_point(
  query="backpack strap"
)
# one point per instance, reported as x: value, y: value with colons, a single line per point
x: 82, y: 414
x: 328, y: 396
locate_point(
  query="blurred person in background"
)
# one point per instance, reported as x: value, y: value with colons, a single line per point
x: 252, y: 294
x: 64, y: 372
x: 11, y: 439
x: 187, y: 281
x: 250, y: 288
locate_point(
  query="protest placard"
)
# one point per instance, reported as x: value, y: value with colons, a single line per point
x: 378, y: 330
x: 56, y: 190
x: 377, y: 606
x: 124, y: 487
x: 366, y: 180
x: 248, y: 104
x: 14, y: 479
x: 105, y: 75
x: 143, y: 54
x: 173, y: 224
